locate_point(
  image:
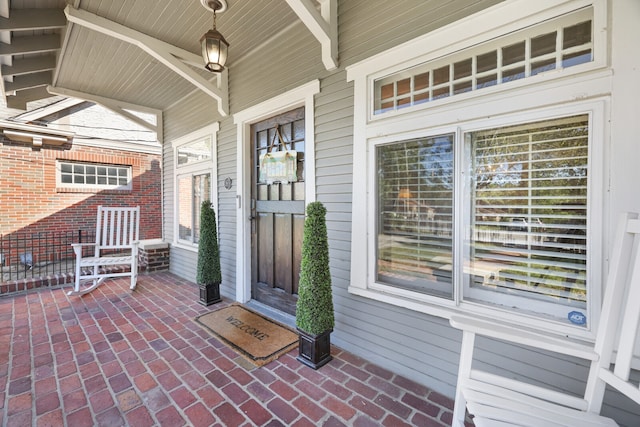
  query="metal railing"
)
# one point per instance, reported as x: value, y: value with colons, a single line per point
x: 32, y: 255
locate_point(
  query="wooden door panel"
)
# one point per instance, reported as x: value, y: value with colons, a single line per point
x: 283, y: 257
x: 265, y: 248
x: 298, y: 225
x: 274, y: 206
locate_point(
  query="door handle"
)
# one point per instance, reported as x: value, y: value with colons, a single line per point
x: 252, y: 214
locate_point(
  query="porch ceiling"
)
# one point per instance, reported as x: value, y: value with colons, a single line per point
x: 81, y: 61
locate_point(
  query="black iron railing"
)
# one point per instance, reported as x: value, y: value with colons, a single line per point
x: 29, y: 255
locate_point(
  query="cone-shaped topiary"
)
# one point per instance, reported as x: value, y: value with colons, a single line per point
x: 208, y: 252
x: 314, y: 310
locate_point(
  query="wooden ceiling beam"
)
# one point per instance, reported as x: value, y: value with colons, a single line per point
x: 22, y: 97
x: 29, y: 65
x: 33, y: 19
x: 28, y: 81
x: 31, y: 44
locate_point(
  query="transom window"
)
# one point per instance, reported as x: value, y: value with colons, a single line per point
x: 83, y: 175
x: 559, y: 43
x: 194, y: 152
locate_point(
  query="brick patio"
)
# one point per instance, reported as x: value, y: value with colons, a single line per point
x: 116, y: 357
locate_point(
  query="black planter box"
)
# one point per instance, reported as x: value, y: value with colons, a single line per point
x: 210, y: 294
x: 314, y: 350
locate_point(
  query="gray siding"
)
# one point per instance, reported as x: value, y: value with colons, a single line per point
x: 369, y: 27
x: 410, y: 343
x: 421, y: 347
x: 290, y: 60
x: 188, y: 115
x: 168, y: 188
x: 184, y: 117
x: 227, y: 153
x: 184, y: 263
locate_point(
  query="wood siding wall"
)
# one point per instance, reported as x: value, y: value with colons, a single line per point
x: 421, y: 347
x: 188, y: 115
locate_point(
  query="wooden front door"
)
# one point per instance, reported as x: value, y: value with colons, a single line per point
x: 277, y: 213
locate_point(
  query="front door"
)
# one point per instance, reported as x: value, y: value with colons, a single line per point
x: 277, y: 211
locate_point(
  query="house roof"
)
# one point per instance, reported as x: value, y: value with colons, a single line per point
x: 142, y: 55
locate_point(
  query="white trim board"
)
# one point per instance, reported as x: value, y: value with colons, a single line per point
x: 300, y: 96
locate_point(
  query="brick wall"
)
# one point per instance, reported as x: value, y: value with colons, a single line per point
x: 30, y: 201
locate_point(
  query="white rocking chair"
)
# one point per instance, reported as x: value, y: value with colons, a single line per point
x: 495, y: 400
x: 117, y: 234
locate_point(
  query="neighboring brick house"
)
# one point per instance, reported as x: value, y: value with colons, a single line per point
x: 51, y: 181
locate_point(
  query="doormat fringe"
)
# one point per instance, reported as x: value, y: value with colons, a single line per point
x: 250, y: 334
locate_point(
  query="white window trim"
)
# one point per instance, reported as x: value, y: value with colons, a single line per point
x: 561, y: 96
x: 205, y: 166
x: 93, y: 188
x: 483, y: 47
x: 473, y: 30
x: 298, y: 97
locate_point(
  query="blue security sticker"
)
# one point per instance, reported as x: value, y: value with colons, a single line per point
x: 577, y: 318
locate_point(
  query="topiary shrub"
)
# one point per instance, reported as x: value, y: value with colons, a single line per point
x: 209, y: 272
x: 314, y: 309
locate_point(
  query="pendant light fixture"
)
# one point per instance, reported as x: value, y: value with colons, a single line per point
x: 214, y: 46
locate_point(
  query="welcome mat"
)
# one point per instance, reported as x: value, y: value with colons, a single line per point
x: 250, y: 334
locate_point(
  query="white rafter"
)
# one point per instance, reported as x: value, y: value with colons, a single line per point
x: 323, y: 26
x: 173, y: 57
x: 118, y: 107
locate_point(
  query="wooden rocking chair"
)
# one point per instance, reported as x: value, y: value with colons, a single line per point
x: 117, y: 234
x: 495, y: 400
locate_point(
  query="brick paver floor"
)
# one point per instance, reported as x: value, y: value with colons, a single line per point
x: 116, y: 357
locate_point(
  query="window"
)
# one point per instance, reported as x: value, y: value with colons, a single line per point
x: 527, y: 214
x: 192, y: 191
x: 194, y: 174
x: 93, y: 175
x: 490, y: 203
x: 194, y: 152
x: 415, y: 192
x: 560, y: 43
x: 525, y: 209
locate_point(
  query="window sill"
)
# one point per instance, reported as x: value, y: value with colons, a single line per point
x: 185, y: 246
x: 93, y: 190
x: 443, y: 310
x: 446, y: 309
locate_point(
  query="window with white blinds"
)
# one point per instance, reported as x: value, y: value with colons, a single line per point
x: 524, y: 212
x: 527, y: 212
x: 415, y: 197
